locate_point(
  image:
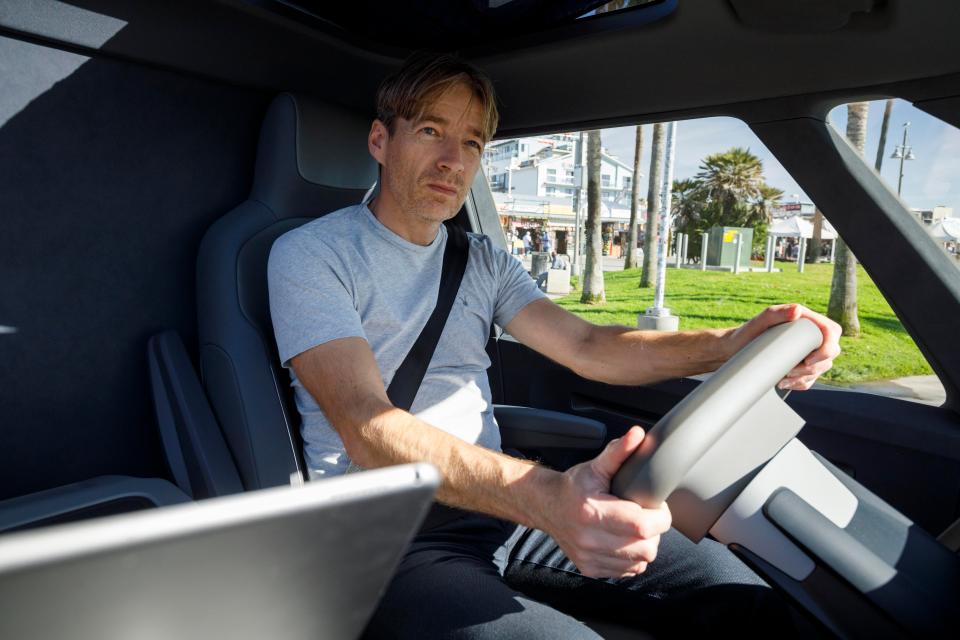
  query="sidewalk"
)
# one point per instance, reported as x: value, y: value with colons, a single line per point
x: 609, y: 264
x: 923, y: 389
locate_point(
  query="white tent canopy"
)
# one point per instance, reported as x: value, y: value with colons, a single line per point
x: 797, y: 227
x: 947, y: 230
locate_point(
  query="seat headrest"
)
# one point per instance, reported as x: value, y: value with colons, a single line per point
x: 308, y: 149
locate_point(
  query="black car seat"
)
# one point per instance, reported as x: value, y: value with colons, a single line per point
x: 312, y: 159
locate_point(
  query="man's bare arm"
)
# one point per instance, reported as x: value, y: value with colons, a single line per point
x: 603, y: 535
x: 620, y: 355
x: 343, y: 377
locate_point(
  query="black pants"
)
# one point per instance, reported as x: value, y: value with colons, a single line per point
x: 472, y: 576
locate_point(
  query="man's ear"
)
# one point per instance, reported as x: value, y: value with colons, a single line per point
x: 377, y: 141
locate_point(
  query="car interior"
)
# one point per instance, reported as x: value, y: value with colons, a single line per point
x: 150, y: 154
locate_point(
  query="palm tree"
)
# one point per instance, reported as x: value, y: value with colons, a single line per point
x: 735, y: 193
x: 813, y: 251
x: 731, y: 180
x: 763, y: 202
x: 593, y: 292
x: 631, y: 257
x: 649, y: 274
x: 729, y: 191
x: 688, y: 204
x: 687, y: 210
x: 761, y: 213
x: 842, y: 307
x: 878, y: 164
x: 884, y: 124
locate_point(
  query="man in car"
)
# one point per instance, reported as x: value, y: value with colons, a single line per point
x: 518, y: 546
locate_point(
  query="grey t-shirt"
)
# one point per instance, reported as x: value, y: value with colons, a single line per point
x: 346, y: 275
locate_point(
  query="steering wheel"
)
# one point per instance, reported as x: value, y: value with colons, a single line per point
x: 726, y: 461
x: 705, y: 450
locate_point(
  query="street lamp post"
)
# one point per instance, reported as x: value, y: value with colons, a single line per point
x: 903, y: 152
x: 577, y: 186
x: 659, y: 317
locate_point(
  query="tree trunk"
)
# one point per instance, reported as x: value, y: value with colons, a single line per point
x: 816, y: 242
x: 842, y: 307
x: 649, y: 274
x: 631, y: 255
x: 593, y: 292
x: 883, y: 134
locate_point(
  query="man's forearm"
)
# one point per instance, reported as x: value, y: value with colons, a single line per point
x: 343, y: 377
x: 474, y: 478
x: 620, y: 355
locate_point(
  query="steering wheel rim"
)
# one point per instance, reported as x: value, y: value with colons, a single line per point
x: 678, y: 460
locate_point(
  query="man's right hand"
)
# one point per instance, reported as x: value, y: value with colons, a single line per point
x: 603, y: 535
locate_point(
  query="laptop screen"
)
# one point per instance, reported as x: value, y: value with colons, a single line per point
x: 289, y: 562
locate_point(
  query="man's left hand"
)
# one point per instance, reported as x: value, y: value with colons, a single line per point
x: 817, y: 363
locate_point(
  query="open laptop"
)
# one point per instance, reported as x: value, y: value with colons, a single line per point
x: 289, y: 562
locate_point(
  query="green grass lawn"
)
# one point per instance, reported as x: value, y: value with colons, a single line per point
x: 712, y: 299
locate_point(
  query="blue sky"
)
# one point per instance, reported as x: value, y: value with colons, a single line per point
x: 932, y: 179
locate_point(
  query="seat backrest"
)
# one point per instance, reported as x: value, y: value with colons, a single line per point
x: 312, y: 159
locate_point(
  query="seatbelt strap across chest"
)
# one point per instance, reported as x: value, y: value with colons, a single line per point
x: 406, y: 381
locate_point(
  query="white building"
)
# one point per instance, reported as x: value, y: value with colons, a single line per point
x: 793, y: 207
x: 553, y: 175
x: 930, y: 217
x: 544, y: 167
x: 503, y: 155
x: 534, y: 183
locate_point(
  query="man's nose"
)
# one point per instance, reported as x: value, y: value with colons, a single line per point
x: 451, y: 155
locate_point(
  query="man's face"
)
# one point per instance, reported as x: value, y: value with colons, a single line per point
x: 429, y: 164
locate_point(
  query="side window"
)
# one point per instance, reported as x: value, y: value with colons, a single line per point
x: 918, y: 158
x: 743, y: 235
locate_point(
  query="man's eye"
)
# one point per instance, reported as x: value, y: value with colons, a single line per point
x: 430, y: 131
x: 476, y: 145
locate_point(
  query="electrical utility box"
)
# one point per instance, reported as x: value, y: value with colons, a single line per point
x: 722, y: 246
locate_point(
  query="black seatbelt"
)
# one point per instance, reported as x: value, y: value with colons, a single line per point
x: 406, y: 381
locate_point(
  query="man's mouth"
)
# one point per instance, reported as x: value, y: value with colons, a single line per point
x: 442, y: 188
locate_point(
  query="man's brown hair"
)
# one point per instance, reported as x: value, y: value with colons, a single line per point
x: 423, y: 78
